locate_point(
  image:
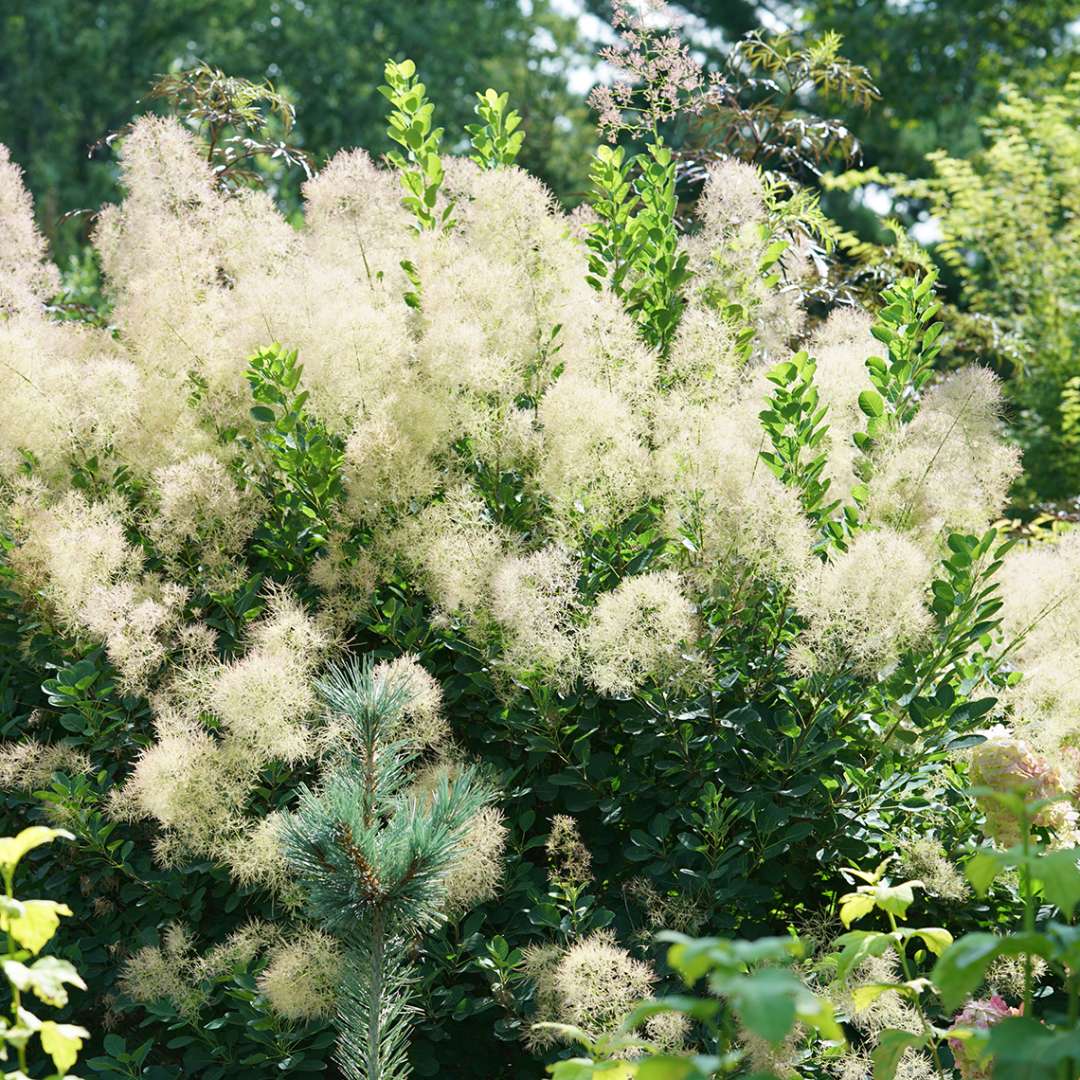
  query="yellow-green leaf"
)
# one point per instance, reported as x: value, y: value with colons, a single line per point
x: 46, y: 978
x: 62, y: 1042
x: 36, y: 924
x: 13, y: 848
x: 854, y: 906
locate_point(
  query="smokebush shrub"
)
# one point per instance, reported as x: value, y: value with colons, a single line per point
x: 710, y: 596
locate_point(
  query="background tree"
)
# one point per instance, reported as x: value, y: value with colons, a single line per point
x: 71, y: 73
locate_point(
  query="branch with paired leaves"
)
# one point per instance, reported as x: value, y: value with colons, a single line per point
x: 236, y: 120
x: 302, y: 479
x: 496, y: 141
x: 418, y: 162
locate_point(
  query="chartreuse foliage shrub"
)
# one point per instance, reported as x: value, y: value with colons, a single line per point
x: 29, y: 925
x: 645, y: 607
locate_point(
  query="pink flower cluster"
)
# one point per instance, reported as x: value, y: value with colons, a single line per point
x: 981, y: 1016
x: 1005, y: 763
x: 659, y: 76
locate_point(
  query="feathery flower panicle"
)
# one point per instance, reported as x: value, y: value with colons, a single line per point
x: 477, y: 869
x: 600, y: 343
x: 534, y: 599
x: 1007, y: 974
x: 192, y: 786
x: 302, y: 978
x: 925, y: 860
x: 949, y: 468
x: 238, y: 950
x: 592, y: 984
x: 1038, y: 582
x: 726, y: 256
x: 27, y: 279
x: 28, y: 764
x: 421, y: 722
x: 69, y: 550
x: 136, y: 622
x: 69, y: 396
x: 730, y: 513
x: 154, y: 973
x: 671, y: 910
x: 392, y: 455
x: 703, y: 365
x: 888, y: 1011
x: 841, y: 347
x: 569, y: 860
x: 198, y: 505
x: 638, y: 633
x: 454, y: 547
x: 354, y: 216
x: 599, y: 982
x: 254, y: 854
x: 265, y: 698
x: 593, y: 465
x: 863, y: 607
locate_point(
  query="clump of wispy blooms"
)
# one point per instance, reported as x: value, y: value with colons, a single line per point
x: 69, y: 550
x: 949, y: 468
x: 592, y: 984
x: 265, y: 698
x: 69, y: 395
x: 771, y: 1059
x: 27, y: 278
x: 302, y: 978
x: 29, y: 764
x: 569, y: 860
x: 668, y: 1032
x: 200, y: 513
x: 454, y: 546
x: 841, y: 347
x: 924, y: 859
x: 191, y: 785
x: 639, y: 631
x: 421, y: 722
x: 391, y: 454
x: 863, y: 607
x: 858, y: 1065
x: 136, y: 621
x: 254, y: 854
x: 474, y: 875
x: 888, y: 1011
x: 1040, y: 618
x: 1007, y: 764
x: 726, y: 255
x: 237, y: 951
x: 166, y: 971
x: 534, y: 599
x: 669, y: 910
x: 730, y: 514
x: 1006, y: 975
x: 593, y: 465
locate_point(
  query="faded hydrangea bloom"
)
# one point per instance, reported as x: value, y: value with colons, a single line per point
x: 1005, y: 763
x: 980, y: 1016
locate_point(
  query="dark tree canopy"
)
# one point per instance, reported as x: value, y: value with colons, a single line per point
x: 72, y: 71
